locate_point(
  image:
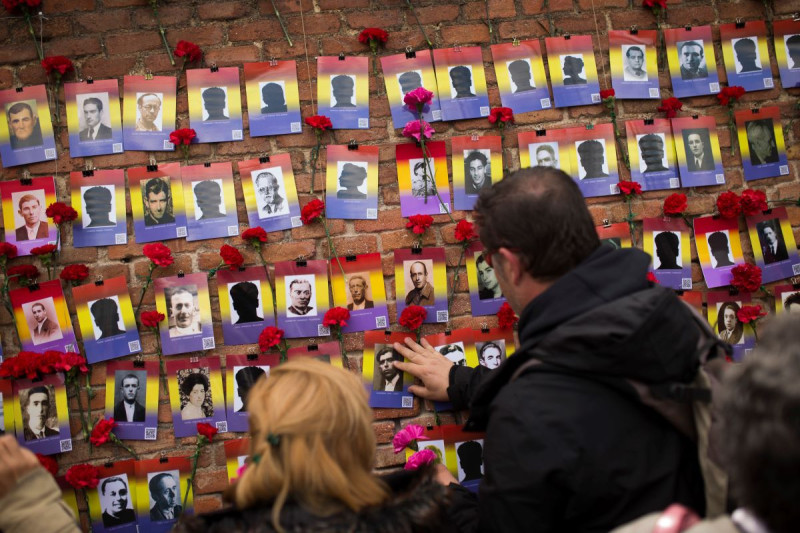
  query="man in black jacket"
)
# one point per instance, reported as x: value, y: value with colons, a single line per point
x: 567, y: 449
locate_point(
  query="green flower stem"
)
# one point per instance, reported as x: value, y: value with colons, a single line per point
x: 436, y: 419
x: 414, y: 12
x: 77, y: 388
x: 373, y: 45
x: 162, y: 32
x: 456, y: 277
x: 5, y: 291
x: 201, y: 442
x: 332, y: 248
x: 428, y: 169
x: 124, y: 446
x: 257, y: 245
x: 86, y: 500
x: 147, y: 283
x: 502, y: 146
x: 36, y: 43
x: 755, y: 331
x: 345, y: 360
x: 284, y: 349
x: 732, y: 128
x: 315, y: 157
x: 630, y: 220
x: 489, y: 22
x: 283, y: 24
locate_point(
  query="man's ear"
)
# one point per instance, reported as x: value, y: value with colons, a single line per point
x: 510, y: 265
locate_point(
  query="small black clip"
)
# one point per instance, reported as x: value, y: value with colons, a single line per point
x: 33, y: 287
x: 242, y: 269
x: 88, y: 173
x: 152, y: 168
x: 214, y: 68
x: 688, y: 27
x: 796, y: 286
x: 767, y: 211
x: 163, y: 459
x: 89, y: 80
x: 301, y: 264
x: 567, y: 36
x: 485, y: 329
x: 634, y: 30
x: 541, y: 133
x: 410, y: 54
x: 695, y: 117
x: 312, y: 348
x: 733, y: 291
x: 739, y: 24
x: 351, y: 258
x: 416, y: 251
x: 99, y: 283
x: 430, y: 427
x: 448, y: 332
x: 756, y: 110
x: 387, y: 332
x: 26, y: 182
x: 126, y: 259
x: 352, y: 145
x: 18, y: 89
x: 590, y: 126
x: 252, y: 356
x: 108, y: 464
x: 138, y: 364
x: 181, y: 274
x: 207, y: 164
x: 649, y: 121
x: 341, y: 56
x: 263, y: 159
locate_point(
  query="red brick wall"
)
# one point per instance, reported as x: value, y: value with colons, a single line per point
x: 112, y: 38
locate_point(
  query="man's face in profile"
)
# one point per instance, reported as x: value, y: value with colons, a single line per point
x: 183, y: 309
x: 418, y: 276
x: 38, y: 404
x: 544, y: 158
x: 22, y: 124
x: 691, y: 57
x: 130, y: 388
x: 357, y: 290
x: 115, y: 494
x: 491, y: 357
x: 149, y: 108
x: 157, y: 204
x: 91, y: 114
x: 387, y: 369
x: 695, y: 145
x: 301, y: 294
x: 38, y: 312
x: 166, y: 494
x: 30, y: 211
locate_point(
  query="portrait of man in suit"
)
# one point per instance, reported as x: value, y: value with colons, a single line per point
x: 698, y: 150
x: 268, y: 194
x: 129, y: 408
x: 422, y: 292
x: 158, y: 202
x: 30, y: 209
x: 761, y: 141
x: 693, y: 61
x: 773, y: 247
x: 115, y: 501
x: 387, y: 377
x: 95, y: 130
x: 165, y: 496
x: 38, y: 409
x: 301, y: 298
x: 357, y: 285
x: 43, y: 328
x: 23, y: 126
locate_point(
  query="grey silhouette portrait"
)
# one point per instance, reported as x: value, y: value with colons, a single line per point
x: 747, y: 55
x: 245, y: 301
x: 470, y: 459
x: 461, y: 80
x: 720, y: 249
x: 409, y: 81
x: 592, y: 158
x: 793, y: 50
x: 351, y: 178
x: 105, y: 313
x: 343, y: 88
x: 668, y: 249
x: 573, y: 66
x: 273, y: 98
x: 208, y: 195
x: 651, y: 147
x: 214, y: 101
x: 520, y: 72
x: 246, y: 377
x: 98, y: 202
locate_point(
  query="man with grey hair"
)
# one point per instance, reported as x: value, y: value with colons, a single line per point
x: 268, y: 188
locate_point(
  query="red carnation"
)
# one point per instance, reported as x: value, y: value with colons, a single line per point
x: 8, y: 250
x: 754, y: 202
x: 182, y: 136
x: 150, y: 319
x: 312, y: 211
x: 159, y: 254
x: 336, y: 317
x: 69, y: 361
x: 26, y: 272
x: 61, y: 212
x: 20, y: 6
x: 102, y: 431
x: 59, y: 65
x: 74, y: 273
x: 254, y: 234
x: 189, y: 51
x: 206, y: 430
x: 675, y: 204
x: 730, y: 94
x: 501, y: 114
x: 729, y: 205
x: 465, y: 231
x: 746, y: 277
x: 319, y: 122
x: 750, y: 313
x: 607, y: 93
x: 44, y: 249
x: 670, y: 107
x: 269, y: 338
x: 373, y: 34
x: 506, y: 317
x: 655, y: 4
x: 231, y: 256
x: 49, y: 464
x: 419, y: 224
x: 413, y: 316
x: 629, y: 189
x: 83, y: 476
x: 652, y: 278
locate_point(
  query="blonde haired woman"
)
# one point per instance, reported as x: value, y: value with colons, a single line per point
x: 312, y: 450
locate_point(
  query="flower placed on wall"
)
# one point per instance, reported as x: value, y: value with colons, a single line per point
x: 190, y: 52
x: 257, y: 237
x: 408, y: 437
x: 83, y: 476
x: 27, y: 8
x: 501, y: 117
x: 421, y: 458
x: 183, y: 138
x: 47, y: 254
x: 205, y: 434
x: 151, y: 319
x: 729, y: 205
x: 271, y: 338
x: 374, y: 37
x: 412, y: 319
x: 419, y: 224
x: 24, y: 274
x: 231, y: 258
x: 675, y: 204
x: 670, y: 107
x: 652, y: 278
x: 74, y: 274
x: 314, y: 211
x: 746, y: 277
x: 159, y: 256
x: 630, y: 190
x: 102, y: 433
x: 320, y: 124
x: 336, y: 318
x: 506, y: 317
x: 56, y: 68
x: 753, y: 202
x: 750, y: 314
x: 48, y: 463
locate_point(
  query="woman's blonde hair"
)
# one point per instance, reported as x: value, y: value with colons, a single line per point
x: 312, y: 442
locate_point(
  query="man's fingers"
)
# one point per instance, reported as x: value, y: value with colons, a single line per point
x: 426, y: 344
x: 420, y: 391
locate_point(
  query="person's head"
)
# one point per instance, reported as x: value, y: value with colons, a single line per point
x: 419, y: 169
x: 98, y: 201
x: 768, y: 231
x: 37, y: 407
x: 418, y: 273
x: 114, y: 496
x: 194, y: 387
x: 300, y: 293
x: 267, y: 186
x: 39, y: 312
x: 691, y: 55
x: 793, y: 48
x: 21, y: 120
x: 130, y: 387
x: 520, y: 72
x: 652, y: 149
x: 573, y: 66
x: 792, y: 303
x: 726, y: 317
x: 696, y: 145
x: 29, y: 209
x: 759, y: 405
x: 746, y: 52
x: 214, y: 100
x: 461, y: 78
x: 385, y: 360
x: 592, y: 156
x: 635, y: 57
x: 352, y: 176
x: 358, y: 288
x: 760, y: 137
x: 528, y: 253
x: 455, y: 353
x: 491, y: 355
x: 310, y: 450
x: 470, y: 456
x: 182, y: 308
x: 342, y: 88
x: 149, y: 107
x: 244, y: 297
x: 245, y: 379
x: 272, y: 94
x: 208, y: 195
x: 545, y: 156
x: 157, y: 197
x: 92, y: 111
x: 476, y: 162
x: 668, y: 246
x: 486, y: 277
x: 164, y: 491
x: 409, y: 81
x: 718, y: 243
x: 105, y: 313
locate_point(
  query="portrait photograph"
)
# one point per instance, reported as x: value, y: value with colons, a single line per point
x: 196, y: 400
x: 351, y: 180
x: 244, y: 378
x: 408, y: 81
x: 24, y: 130
x: 418, y: 279
x: 39, y: 414
x: 437, y: 446
x: 161, y: 485
x: 729, y: 328
x: 245, y: 301
x: 130, y: 400
x: 770, y: 238
x: 106, y: 317
x: 419, y: 185
x: 94, y: 121
x: 184, y: 300
x: 592, y: 159
x: 786, y: 38
x: 790, y: 301
x: 411, y: 179
x: 719, y: 249
x: 157, y: 201
x: 474, y: 157
x: 130, y: 395
x: 165, y: 495
x: 667, y: 240
x: 488, y: 287
x: 343, y: 91
x: 42, y: 317
x: 215, y: 103
x: 386, y: 385
x: 470, y: 460
x: 30, y: 220
x: 774, y: 247
x: 42, y: 320
x: 93, y: 117
x: 208, y: 199
x: 116, y: 501
x: 273, y: 100
x: 270, y: 192
x: 402, y: 74
x: 791, y: 45
x: 97, y: 206
x: 149, y: 115
x: 544, y: 154
x: 519, y: 71
x: 667, y: 246
x: 454, y: 352
x: 635, y: 65
x: 761, y: 141
x: 361, y: 290
x: 301, y: 297
x: 25, y: 115
x: 747, y: 55
x: 520, y: 75
x: 650, y: 147
x: 491, y: 353
x: 461, y: 80
x: 697, y: 146
x: 183, y: 310
x: 462, y: 83
x: 387, y: 378
x: 196, y: 394
x: 692, y: 61
x: 477, y: 170
x: 273, y: 97
x: 633, y: 61
x: 572, y: 69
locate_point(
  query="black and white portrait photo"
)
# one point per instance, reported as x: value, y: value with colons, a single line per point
x: 183, y: 310
x: 633, y: 59
x: 477, y: 170
x: 244, y: 378
x: 245, y: 302
x: 165, y: 495
x: 97, y: 206
x: 343, y: 91
x: 30, y: 220
x: 761, y: 141
x: 691, y: 55
x: 770, y: 237
x: 419, y: 183
x: 273, y: 97
x: 24, y: 129
x: 572, y: 66
x: 157, y: 201
x: 359, y: 292
x: 408, y: 81
x: 720, y: 249
x: 418, y: 278
x: 746, y: 54
x: 791, y: 302
x: 195, y: 391
x: 148, y: 112
x: 491, y: 353
x: 462, y: 83
x: 385, y: 376
x: 106, y: 317
x: 488, y: 287
x: 351, y: 180
x: 93, y: 119
x: 42, y: 321
x: 729, y: 328
x: 697, y: 145
x: 667, y: 250
x: 544, y: 154
x: 301, y: 297
x: 208, y: 199
x: 115, y: 500
x: 39, y: 414
x: 520, y: 74
x: 270, y: 192
x: 652, y: 152
x: 453, y: 352
x: 592, y: 161
x: 215, y: 103
x: 130, y: 395
x: 470, y: 460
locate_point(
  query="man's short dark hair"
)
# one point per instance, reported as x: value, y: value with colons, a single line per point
x: 97, y: 195
x: 684, y: 44
x: 519, y: 66
x: 541, y: 213
x: 298, y: 280
x: 19, y: 107
x: 591, y: 146
x: 635, y: 48
x: 718, y: 241
x: 153, y: 485
x: 419, y: 165
x: 793, y: 43
x: 668, y: 241
x: 388, y: 349
x: 40, y: 389
x: 743, y: 44
x: 195, y: 378
x: 108, y: 480
x: 246, y: 377
x: 98, y: 103
x: 460, y: 70
x: 487, y: 346
x: 40, y: 304
x: 546, y: 148
x: 651, y: 138
x: 793, y: 299
x: 102, y: 307
x: 130, y: 376
x: 476, y: 156
x: 156, y: 186
x: 244, y: 289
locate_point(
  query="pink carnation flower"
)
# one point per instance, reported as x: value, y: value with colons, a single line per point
x: 408, y: 435
x: 421, y: 458
x: 415, y: 129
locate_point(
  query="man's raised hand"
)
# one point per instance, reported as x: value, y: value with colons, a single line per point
x: 425, y: 363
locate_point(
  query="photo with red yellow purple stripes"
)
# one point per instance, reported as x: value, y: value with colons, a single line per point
x: 106, y: 320
x: 458, y: 347
x: 273, y: 101
x: 270, y: 193
x: 744, y: 49
x: 24, y: 204
x: 633, y: 56
x: 99, y: 199
x: 787, y: 299
x: 215, y: 104
x: 42, y: 317
x: 237, y: 457
x: 722, y: 315
x: 461, y: 452
x: 697, y: 149
x: 787, y: 51
x: 545, y: 148
x: 41, y: 418
x: 184, y: 300
x: 112, y: 504
x: 26, y: 131
x: 351, y: 190
x: 617, y: 235
x: 160, y: 486
x: 477, y: 163
x: 242, y: 372
x: 416, y: 179
x: 360, y: 290
x: 573, y: 71
x: 462, y: 82
x: 386, y: 385
x: 148, y: 113
x: 402, y: 73
x: 761, y: 143
x: 343, y: 91
x: 651, y: 149
x: 519, y: 70
x: 773, y: 243
x: 494, y: 345
x: 593, y: 159
x: 420, y: 278
x: 719, y: 248
x: 210, y: 200
x: 93, y: 117
x: 6, y: 407
x: 157, y: 202
x: 485, y: 295
x: 327, y: 352
x: 692, y: 63
x: 132, y: 398
x: 196, y: 394
x: 668, y: 241
x: 301, y: 290
x: 245, y: 304
x: 694, y: 299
